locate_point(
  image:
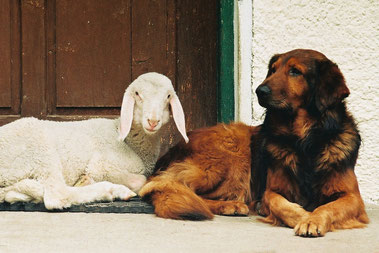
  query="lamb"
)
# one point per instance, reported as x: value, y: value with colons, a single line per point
x: 41, y: 161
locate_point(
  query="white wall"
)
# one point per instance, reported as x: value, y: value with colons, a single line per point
x: 243, y: 48
x: 347, y: 32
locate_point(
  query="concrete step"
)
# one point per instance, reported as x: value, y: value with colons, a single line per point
x: 134, y: 205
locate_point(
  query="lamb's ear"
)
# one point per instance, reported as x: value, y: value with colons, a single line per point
x: 178, y: 114
x: 126, y: 117
x: 332, y: 88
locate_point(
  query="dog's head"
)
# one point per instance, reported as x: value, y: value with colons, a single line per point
x: 302, y: 79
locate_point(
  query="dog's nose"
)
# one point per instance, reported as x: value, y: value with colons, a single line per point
x: 263, y: 91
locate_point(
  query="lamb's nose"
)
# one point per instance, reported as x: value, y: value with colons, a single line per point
x: 152, y: 122
x: 263, y: 91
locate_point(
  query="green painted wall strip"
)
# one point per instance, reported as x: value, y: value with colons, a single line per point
x: 226, y: 61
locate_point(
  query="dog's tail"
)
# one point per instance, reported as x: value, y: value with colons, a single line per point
x: 174, y: 200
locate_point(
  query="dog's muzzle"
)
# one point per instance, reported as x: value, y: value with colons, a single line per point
x: 263, y: 92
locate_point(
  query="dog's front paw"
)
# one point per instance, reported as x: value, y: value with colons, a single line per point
x: 313, y: 226
x: 233, y: 208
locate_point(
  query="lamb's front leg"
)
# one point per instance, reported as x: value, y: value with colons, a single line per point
x: 101, y: 191
x: 130, y: 180
x: 101, y: 169
x: 58, y: 196
x: 25, y: 190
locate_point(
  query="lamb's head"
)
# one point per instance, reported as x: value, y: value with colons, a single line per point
x: 146, y: 103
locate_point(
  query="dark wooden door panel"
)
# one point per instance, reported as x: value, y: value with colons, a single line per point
x: 9, y: 61
x: 196, y: 40
x: 73, y: 59
x: 101, y: 46
x: 5, y: 55
x: 93, y: 42
x: 197, y: 45
x: 33, y: 58
x: 153, y: 37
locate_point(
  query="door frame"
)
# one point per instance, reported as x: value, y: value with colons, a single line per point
x: 226, y: 90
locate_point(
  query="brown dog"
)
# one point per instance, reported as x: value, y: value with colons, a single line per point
x: 310, y: 146
x: 305, y: 151
x: 209, y: 175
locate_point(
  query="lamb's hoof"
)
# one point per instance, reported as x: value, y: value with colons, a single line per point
x: 136, y: 182
x: 55, y: 204
x: 14, y: 196
x: 121, y: 192
x: 84, y: 180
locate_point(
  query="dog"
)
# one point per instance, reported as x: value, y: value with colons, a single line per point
x: 296, y: 169
x: 209, y: 175
x: 309, y: 146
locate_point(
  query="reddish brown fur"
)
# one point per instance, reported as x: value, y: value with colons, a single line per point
x: 302, y: 158
x: 212, y: 177
x: 311, y: 144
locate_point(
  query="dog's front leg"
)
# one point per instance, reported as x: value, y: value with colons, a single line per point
x: 279, y: 210
x: 275, y: 206
x: 347, y: 211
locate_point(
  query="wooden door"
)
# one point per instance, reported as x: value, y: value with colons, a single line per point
x: 73, y: 59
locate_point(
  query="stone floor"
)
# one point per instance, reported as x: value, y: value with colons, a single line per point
x: 110, y: 232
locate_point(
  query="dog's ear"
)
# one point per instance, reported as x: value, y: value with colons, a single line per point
x: 272, y: 60
x: 331, y: 88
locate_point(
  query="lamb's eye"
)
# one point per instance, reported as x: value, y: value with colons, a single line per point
x: 138, y: 96
x: 294, y: 72
x: 168, y: 96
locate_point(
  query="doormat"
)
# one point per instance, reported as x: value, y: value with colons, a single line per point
x: 134, y: 205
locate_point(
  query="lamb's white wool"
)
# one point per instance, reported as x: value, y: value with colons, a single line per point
x: 41, y: 160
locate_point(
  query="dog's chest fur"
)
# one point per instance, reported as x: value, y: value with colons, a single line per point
x: 306, y: 149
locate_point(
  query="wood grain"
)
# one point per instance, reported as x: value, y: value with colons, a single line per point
x: 5, y: 52
x: 10, y: 66
x: 92, y: 52
x: 149, y: 37
x: 197, y: 43
x: 33, y: 58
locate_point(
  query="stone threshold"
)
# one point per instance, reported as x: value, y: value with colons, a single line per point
x: 134, y: 205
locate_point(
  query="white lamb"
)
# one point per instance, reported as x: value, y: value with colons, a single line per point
x: 41, y: 161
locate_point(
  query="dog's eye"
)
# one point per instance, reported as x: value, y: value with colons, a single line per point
x: 273, y: 70
x: 294, y: 72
